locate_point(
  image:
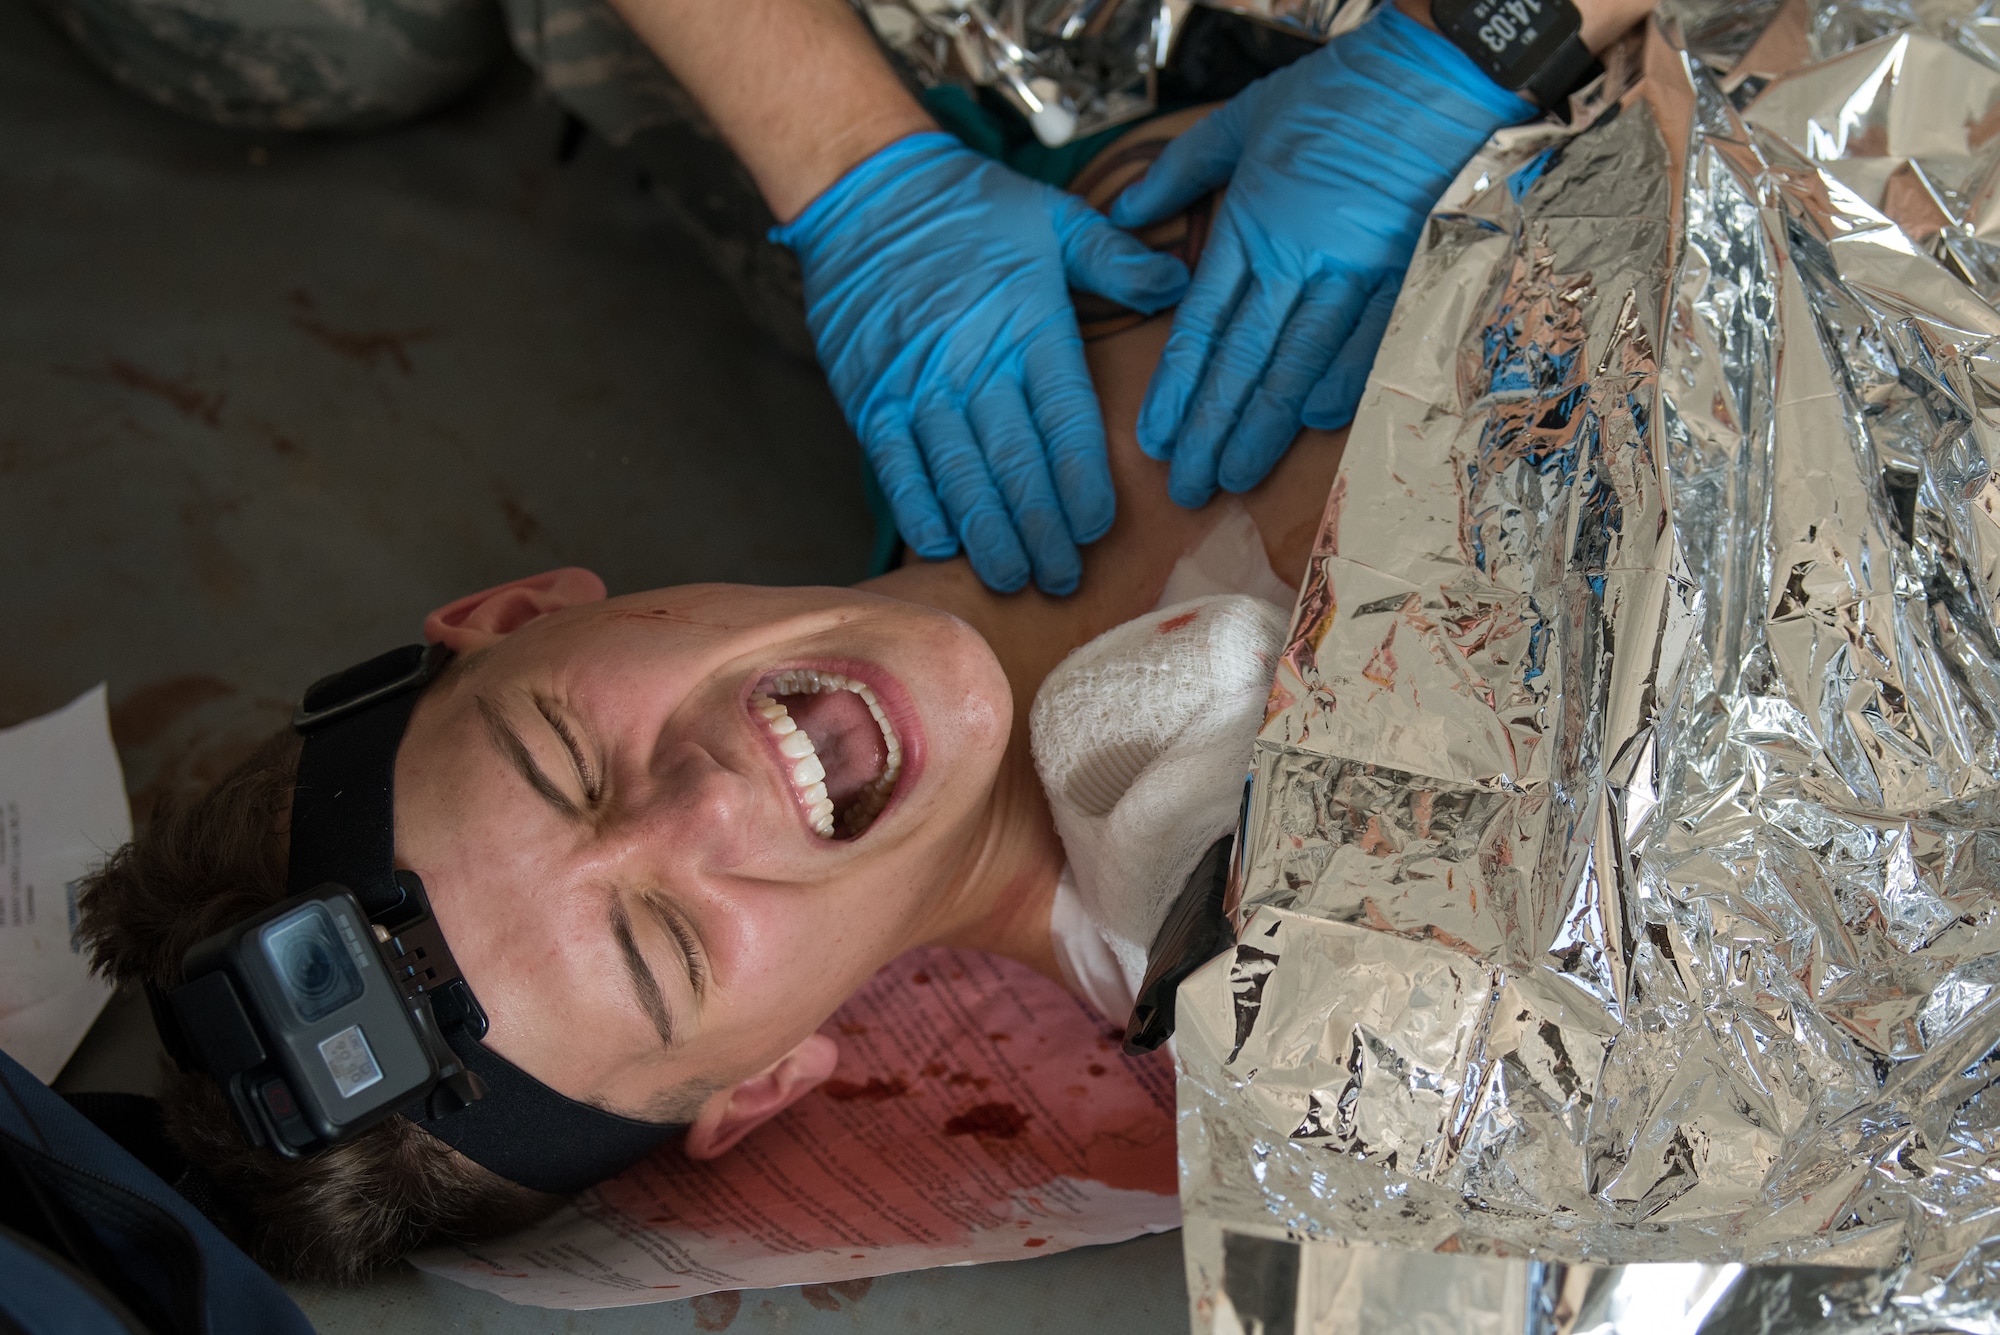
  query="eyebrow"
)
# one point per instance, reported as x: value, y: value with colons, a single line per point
x: 644, y: 985
x: 508, y: 742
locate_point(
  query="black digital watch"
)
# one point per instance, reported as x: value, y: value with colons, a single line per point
x: 1531, y: 47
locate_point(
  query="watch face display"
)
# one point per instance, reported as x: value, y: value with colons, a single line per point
x: 1509, y: 39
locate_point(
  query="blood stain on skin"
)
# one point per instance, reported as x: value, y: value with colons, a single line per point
x: 662, y: 614
x: 875, y: 1090
x: 716, y: 1311
x: 1095, y: 1068
x: 989, y: 1121
x: 920, y: 978
x: 1172, y: 624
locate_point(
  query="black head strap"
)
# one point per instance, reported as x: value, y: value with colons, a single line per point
x: 344, y: 803
x: 344, y: 831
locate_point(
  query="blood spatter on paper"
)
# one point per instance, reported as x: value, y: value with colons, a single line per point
x: 873, y: 1090
x: 991, y: 1121
x: 933, y: 1143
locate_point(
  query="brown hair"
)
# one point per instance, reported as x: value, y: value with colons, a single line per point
x: 346, y: 1211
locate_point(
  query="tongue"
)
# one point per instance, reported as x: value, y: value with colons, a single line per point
x: 847, y: 739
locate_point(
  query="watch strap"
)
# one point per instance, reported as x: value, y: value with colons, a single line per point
x: 1567, y: 69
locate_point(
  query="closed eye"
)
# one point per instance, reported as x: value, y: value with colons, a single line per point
x: 592, y: 781
x: 677, y: 926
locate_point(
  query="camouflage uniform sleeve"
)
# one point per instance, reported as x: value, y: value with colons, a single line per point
x: 288, y: 64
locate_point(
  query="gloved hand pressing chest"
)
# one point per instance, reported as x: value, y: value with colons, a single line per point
x: 937, y: 289
x: 1332, y: 165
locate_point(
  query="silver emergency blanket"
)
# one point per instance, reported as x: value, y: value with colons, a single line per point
x: 1070, y: 67
x: 1618, y: 927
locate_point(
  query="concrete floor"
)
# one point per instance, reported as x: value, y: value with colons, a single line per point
x: 264, y: 402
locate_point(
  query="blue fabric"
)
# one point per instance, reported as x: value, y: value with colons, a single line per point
x: 159, y: 1242
x: 937, y: 290
x: 43, y: 1298
x: 1332, y: 165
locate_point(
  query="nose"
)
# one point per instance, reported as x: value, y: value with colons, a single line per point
x: 697, y: 815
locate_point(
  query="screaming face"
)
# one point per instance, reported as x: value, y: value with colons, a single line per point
x: 668, y: 834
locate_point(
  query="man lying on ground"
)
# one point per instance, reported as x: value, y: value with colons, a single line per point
x: 666, y: 835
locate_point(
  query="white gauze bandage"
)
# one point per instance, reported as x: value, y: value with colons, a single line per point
x: 1142, y: 739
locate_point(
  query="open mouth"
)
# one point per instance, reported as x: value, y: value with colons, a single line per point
x: 842, y: 753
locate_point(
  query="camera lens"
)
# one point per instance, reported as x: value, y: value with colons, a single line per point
x: 309, y: 971
x: 311, y: 962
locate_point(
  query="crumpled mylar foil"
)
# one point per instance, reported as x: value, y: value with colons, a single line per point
x: 1618, y: 932
x: 1071, y: 67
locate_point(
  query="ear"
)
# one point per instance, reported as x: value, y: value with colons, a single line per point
x: 478, y: 619
x: 733, y: 1113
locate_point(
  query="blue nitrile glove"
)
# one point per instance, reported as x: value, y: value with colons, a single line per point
x: 1332, y: 163
x: 937, y: 288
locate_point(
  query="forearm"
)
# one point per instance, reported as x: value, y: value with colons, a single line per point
x: 1604, y: 21
x: 797, y: 87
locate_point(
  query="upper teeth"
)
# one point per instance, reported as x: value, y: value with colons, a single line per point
x: 807, y: 774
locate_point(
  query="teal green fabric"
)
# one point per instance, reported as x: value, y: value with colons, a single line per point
x: 888, y: 542
x: 1005, y: 137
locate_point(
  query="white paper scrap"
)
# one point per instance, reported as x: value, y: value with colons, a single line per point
x: 62, y: 811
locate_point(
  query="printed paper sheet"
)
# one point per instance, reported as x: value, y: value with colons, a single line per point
x: 980, y: 1113
x: 62, y: 809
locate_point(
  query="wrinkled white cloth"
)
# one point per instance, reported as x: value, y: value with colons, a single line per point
x: 1229, y: 560
x: 1142, y: 739
x: 1092, y: 968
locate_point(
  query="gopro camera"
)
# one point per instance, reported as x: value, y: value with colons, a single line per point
x: 319, y: 1022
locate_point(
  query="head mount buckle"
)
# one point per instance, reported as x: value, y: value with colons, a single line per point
x: 348, y: 692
